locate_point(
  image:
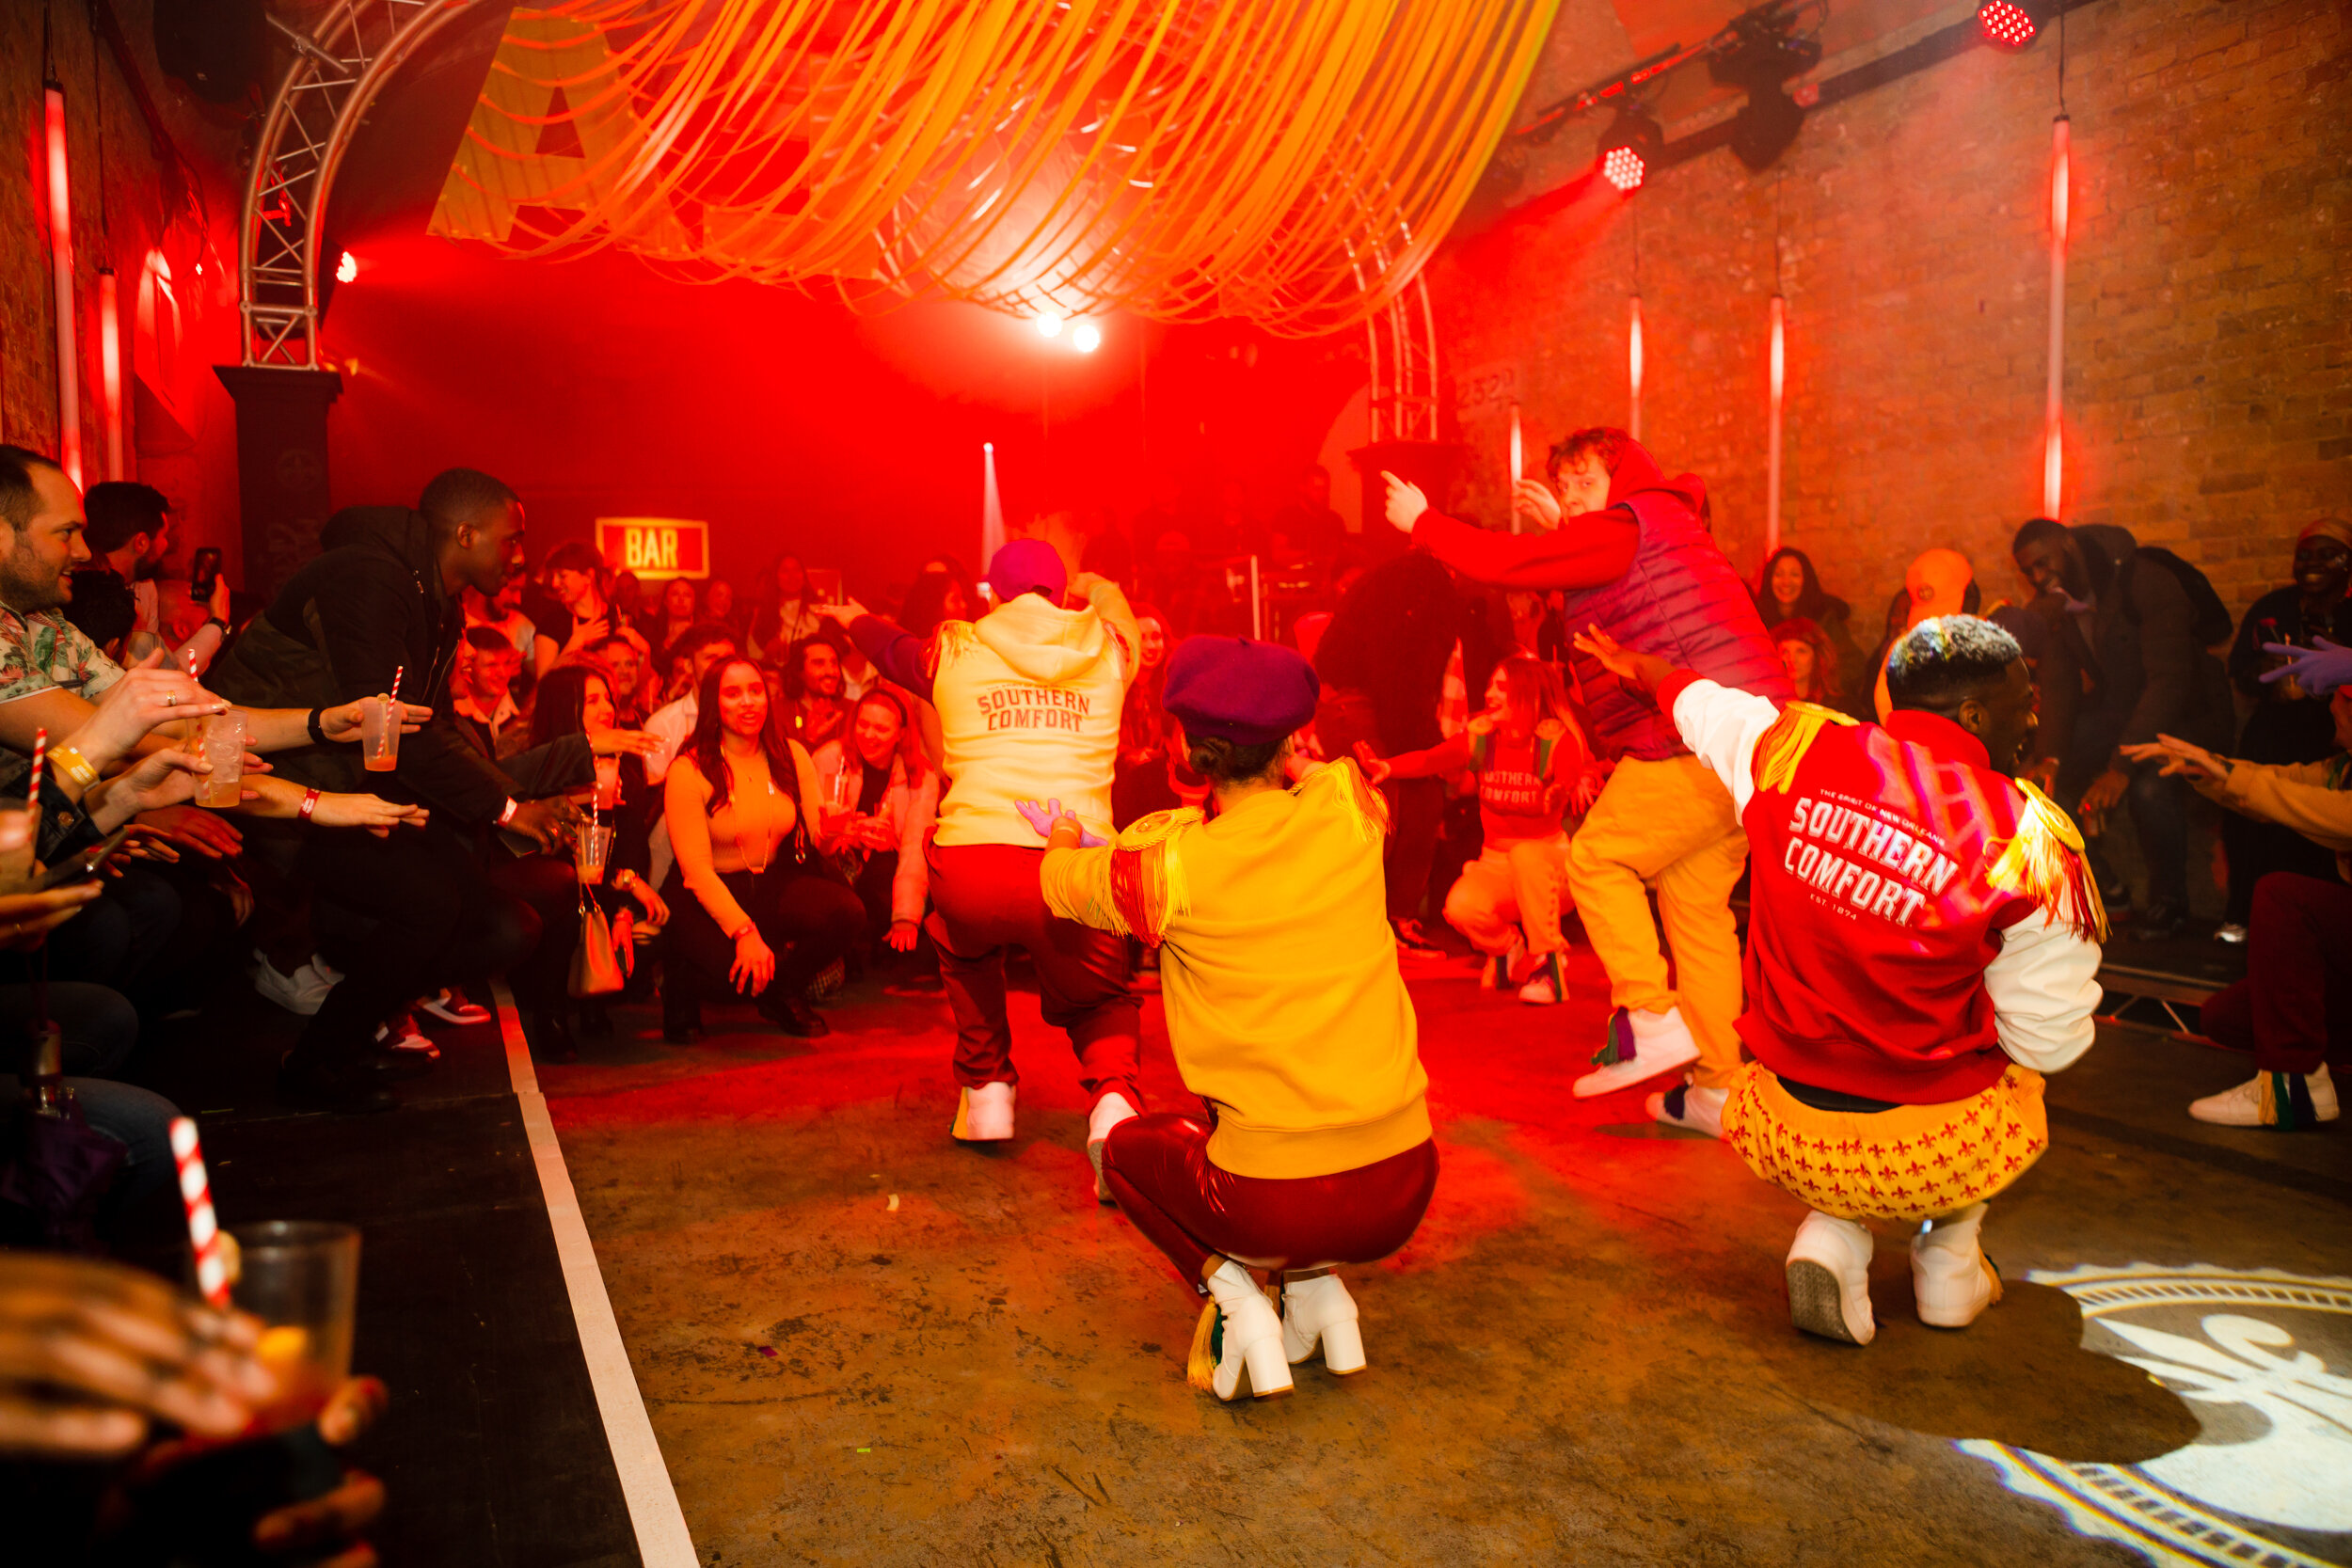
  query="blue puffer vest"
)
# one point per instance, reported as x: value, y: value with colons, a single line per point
x: 1682, y: 601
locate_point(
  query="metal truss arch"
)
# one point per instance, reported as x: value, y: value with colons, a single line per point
x: 338, y: 70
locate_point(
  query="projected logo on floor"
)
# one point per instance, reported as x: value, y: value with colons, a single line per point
x: 2264, y: 1359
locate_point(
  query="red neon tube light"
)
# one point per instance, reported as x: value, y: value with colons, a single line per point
x: 61, y: 272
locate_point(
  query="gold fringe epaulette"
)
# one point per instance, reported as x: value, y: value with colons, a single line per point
x: 1785, y: 744
x: 1367, y: 808
x: 2044, y: 861
x: 948, y: 644
x: 1148, y: 885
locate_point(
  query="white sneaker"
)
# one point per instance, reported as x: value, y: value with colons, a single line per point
x: 1238, y: 1332
x: 984, y: 1115
x: 2231, y: 933
x: 453, y: 1007
x: 1950, y: 1277
x: 1109, y: 1112
x: 1547, y: 985
x: 2286, y: 1100
x: 1318, y: 1307
x: 1688, y: 1106
x: 301, y: 993
x: 1829, y: 1280
x: 402, y: 1034
x: 1640, y: 1045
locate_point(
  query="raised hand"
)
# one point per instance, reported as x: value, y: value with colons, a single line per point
x: 1406, y: 503
x: 2319, y: 668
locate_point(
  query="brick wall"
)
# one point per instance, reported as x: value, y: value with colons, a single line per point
x: 187, y: 446
x: 2209, y: 342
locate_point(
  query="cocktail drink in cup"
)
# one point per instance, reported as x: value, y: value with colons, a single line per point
x: 590, y: 848
x: 301, y: 1278
x: 379, y: 733
x: 224, y: 749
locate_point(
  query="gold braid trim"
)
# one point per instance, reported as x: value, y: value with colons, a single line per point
x: 1367, y: 809
x: 2044, y: 861
x: 949, y: 643
x: 1148, y: 885
x: 1785, y: 744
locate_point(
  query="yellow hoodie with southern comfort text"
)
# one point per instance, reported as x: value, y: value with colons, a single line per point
x: 1028, y: 700
x: 1278, y: 969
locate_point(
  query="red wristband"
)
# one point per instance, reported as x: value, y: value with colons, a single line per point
x: 310, y: 804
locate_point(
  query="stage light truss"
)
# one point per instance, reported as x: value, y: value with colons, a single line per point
x: 338, y: 69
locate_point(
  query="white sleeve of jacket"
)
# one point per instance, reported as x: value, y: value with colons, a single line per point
x: 2044, y: 986
x: 1723, y: 724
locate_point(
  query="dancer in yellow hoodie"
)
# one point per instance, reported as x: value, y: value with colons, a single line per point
x: 1285, y: 1012
x: 1029, y: 699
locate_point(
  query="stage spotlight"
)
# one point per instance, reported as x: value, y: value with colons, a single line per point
x: 346, y: 269
x: 1048, y: 324
x: 2010, y: 24
x: 1758, y: 51
x: 1630, y: 148
x: 1764, y: 127
x: 1086, y: 337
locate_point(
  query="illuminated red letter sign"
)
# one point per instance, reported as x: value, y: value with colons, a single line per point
x: 655, y: 547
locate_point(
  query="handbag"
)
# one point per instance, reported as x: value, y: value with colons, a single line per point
x: 596, y: 967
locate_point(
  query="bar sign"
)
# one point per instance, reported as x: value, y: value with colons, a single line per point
x: 655, y: 547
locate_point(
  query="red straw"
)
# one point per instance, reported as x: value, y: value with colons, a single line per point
x: 32, y: 790
x: 398, y: 670
x: 212, y: 1268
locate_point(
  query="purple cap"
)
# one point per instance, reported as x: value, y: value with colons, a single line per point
x: 1250, y: 693
x: 1027, y: 567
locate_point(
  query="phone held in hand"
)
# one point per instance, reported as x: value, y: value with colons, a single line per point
x: 204, y: 574
x: 84, y: 864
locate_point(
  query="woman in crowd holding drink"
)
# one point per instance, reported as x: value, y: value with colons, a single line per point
x: 752, y: 910
x: 881, y: 799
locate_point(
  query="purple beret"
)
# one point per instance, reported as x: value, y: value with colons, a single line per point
x: 1027, y: 567
x: 1250, y: 693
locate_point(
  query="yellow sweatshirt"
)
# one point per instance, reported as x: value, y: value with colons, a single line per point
x: 1278, y: 968
x: 1029, y: 698
x: 2313, y: 798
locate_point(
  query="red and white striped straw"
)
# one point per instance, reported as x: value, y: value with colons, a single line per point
x: 32, y: 790
x: 397, y: 671
x: 212, y: 1270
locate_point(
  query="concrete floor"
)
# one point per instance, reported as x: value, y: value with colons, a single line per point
x: 860, y: 1342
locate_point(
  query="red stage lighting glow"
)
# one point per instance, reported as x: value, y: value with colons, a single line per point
x: 1085, y: 337
x: 346, y: 269
x: 110, y: 367
x: 1048, y: 324
x: 61, y: 277
x: 2009, y: 25
x: 1622, y: 167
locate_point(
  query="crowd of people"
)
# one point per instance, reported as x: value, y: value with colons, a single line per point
x: 462, y: 763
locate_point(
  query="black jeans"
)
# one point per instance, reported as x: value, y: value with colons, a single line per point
x: 438, y: 918
x: 806, y: 919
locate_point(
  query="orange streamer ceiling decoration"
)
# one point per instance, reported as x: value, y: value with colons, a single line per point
x: 1294, y: 162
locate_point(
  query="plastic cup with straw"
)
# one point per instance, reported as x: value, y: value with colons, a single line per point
x: 379, y: 728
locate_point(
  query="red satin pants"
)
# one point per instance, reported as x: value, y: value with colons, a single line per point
x: 1158, y: 1168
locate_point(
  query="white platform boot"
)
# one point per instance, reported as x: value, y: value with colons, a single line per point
x: 1950, y: 1273
x: 1238, y: 1332
x: 1316, y: 1306
x: 1109, y: 1112
x: 1829, y: 1280
x: 984, y: 1115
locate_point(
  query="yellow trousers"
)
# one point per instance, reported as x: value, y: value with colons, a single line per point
x: 1510, y: 891
x: 1667, y: 825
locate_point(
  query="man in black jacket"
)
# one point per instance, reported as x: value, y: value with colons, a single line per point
x: 384, y: 600
x: 2145, y: 623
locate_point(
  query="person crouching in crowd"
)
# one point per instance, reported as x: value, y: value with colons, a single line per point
x: 1287, y: 1015
x: 2298, y: 944
x: 815, y: 711
x: 383, y: 606
x: 1811, y: 660
x: 880, y: 801
x: 1534, y: 770
x: 1922, y: 948
x: 752, y: 911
